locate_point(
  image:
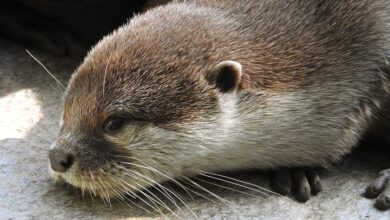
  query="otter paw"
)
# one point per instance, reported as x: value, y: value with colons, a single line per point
x: 302, y: 183
x: 380, y: 190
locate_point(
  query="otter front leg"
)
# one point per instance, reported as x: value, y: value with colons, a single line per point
x: 302, y: 182
x: 380, y: 189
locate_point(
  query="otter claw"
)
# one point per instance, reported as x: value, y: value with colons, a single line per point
x: 382, y: 202
x: 380, y: 189
x: 301, y: 187
x: 303, y: 183
x: 314, y: 181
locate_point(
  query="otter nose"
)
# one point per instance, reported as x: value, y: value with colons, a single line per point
x: 60, y: 161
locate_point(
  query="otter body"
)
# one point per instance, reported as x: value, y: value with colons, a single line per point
x: 210, y: 86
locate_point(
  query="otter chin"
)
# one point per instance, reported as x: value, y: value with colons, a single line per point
x: 196, y: 87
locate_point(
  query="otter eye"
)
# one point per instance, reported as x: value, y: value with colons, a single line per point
x: 114, y: 123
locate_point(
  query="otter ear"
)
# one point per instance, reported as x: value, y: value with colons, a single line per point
x: 226, y: 76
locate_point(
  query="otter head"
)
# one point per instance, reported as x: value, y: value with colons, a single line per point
x: 135, y: 116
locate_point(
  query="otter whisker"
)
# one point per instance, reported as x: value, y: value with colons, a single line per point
x: 108, y: 195
x: 220, y: 199
x: 157, y: 186
x: 58, y: 89
x: 133, y: 195
x: 165, y: 191
x: 38, y: 162
x: 151, y: 168
x: 37, y: 136
x: 154, y: 201
x: 229, y: 188
x: 177, y: 196
x: 101, y: 190
x: 39, y: 153
x: 233, y: 183
x: 243, y: 182
x: 41, y: 162
x: 124, y: 189
x: 82, y: 185
x: 188, y: 192
x: 170, y: 178
x: 159, y: 201
x: 122, y: 198
x: 125, y: 203
x: 174, y: 193
x: 118, y: 194
x: 44, y: 67
x: 208, y: 191
x: 154, y: 184
x: 43, y: 130
x: 42, y: 139
x: 129, y: 193
x: 155, y: 207
x: 93, y: 182
x: 139, y: 206
x: 89, y: 192
x: 199, y: 194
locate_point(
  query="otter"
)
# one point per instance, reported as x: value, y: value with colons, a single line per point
x: 203, y: 86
